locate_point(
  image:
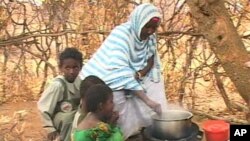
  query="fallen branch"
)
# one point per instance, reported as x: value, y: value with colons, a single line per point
x: 230, y: 120
x: 239, y: 106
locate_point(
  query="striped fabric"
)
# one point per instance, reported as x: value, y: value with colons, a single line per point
x: 122, y: 53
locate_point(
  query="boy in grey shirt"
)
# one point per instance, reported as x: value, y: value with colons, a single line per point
x: 61, y: 98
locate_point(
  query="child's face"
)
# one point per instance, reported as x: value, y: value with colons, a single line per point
x: 70, y: 69
x: 107, y: 107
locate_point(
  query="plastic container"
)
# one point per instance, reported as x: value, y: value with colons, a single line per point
x: 216, y: 130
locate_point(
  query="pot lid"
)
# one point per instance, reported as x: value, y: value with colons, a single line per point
x: 173, y: 115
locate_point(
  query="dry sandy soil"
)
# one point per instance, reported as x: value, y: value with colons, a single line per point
x: 21, y: 122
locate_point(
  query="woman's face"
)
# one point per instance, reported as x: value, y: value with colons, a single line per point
x: 149, y: 28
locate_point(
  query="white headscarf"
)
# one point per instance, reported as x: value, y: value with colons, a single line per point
x: 141, y: 15
x: 122, y: 54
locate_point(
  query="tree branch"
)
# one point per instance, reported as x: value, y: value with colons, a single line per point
x: 40, y: 57
x: 19, y: 39
x: 179, y: 32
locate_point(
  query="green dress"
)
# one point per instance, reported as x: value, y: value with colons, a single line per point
x: 103, y: 132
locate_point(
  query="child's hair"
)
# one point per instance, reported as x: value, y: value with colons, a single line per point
x: 88, y: 82
x: 70, y: 53
x: 96, y: 95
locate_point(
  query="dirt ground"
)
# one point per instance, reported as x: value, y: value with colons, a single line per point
x: 20, y: 121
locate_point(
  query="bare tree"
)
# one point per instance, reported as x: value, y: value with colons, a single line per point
x: 216, y: 26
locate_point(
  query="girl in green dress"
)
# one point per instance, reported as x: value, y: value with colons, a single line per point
x: 81, y: 112
x: 100, y: 122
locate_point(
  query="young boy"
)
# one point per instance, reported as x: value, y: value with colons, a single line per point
x: 61, y: 98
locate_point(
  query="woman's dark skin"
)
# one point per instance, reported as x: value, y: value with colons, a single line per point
x: 155, y: 106
x: 146, y: 31
x: 146, y: 69
x: 149, y: 28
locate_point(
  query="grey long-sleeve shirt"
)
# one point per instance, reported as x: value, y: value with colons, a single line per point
x: 52, y: 95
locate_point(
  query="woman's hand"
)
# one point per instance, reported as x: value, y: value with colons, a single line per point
x: 141, y: 73
x: 53, y: 135
x: 154, y: 105
x: 138, y: 75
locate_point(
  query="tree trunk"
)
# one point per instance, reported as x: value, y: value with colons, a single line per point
x: 216, y: 26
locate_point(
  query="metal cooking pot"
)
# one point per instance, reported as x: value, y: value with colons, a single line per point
x: 172, y: 125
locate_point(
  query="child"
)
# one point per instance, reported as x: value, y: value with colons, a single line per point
x: 61, y: 98
x: 99, y: 123
x: 85, y: 84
